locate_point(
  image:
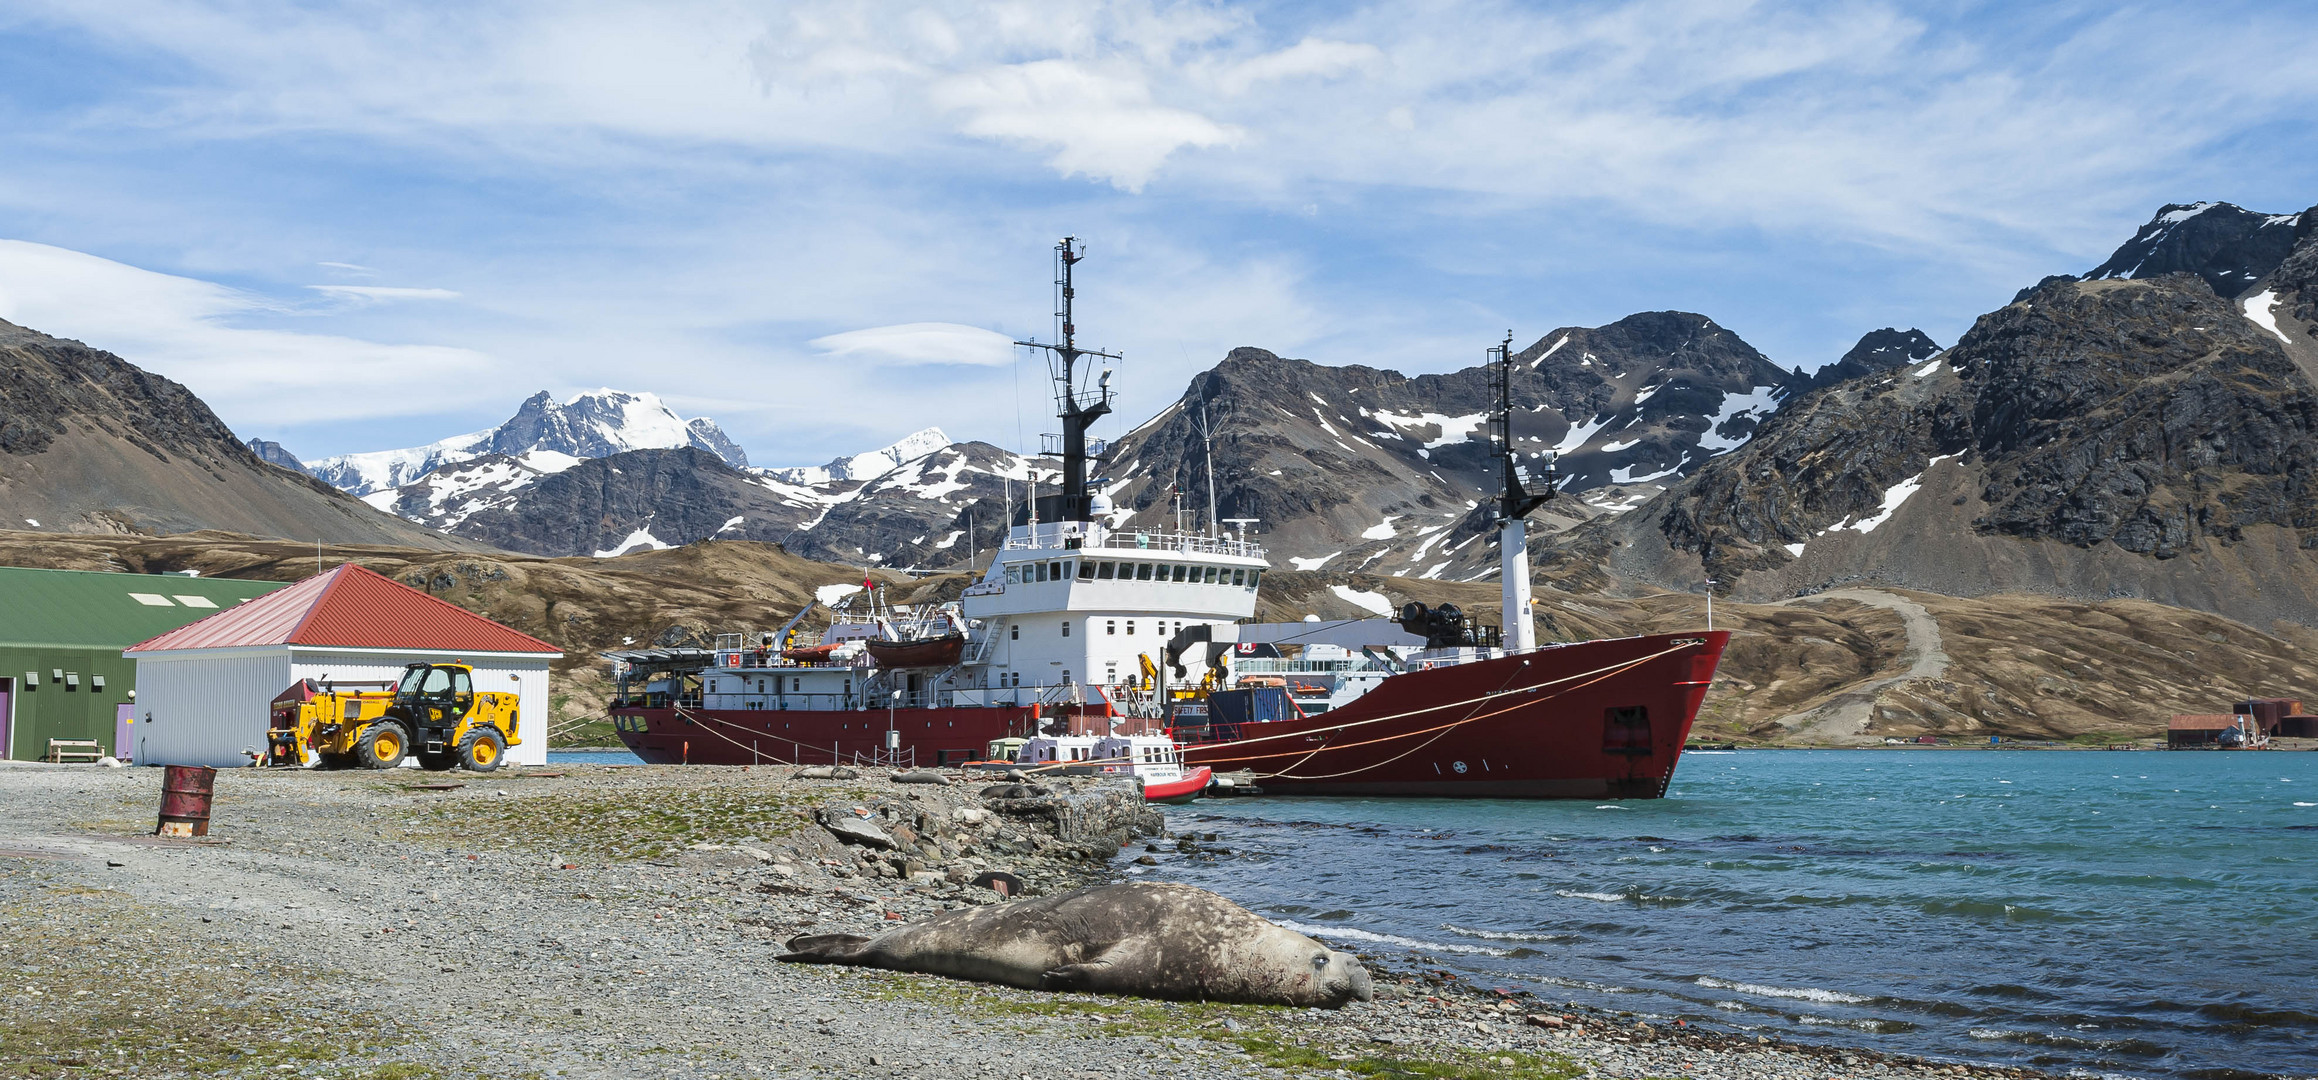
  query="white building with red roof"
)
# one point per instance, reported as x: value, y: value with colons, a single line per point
x: 204, y: 689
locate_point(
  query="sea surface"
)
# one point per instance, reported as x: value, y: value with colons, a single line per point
x: 2143, y: 914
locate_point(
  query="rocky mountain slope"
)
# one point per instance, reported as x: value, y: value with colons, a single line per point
x: 2115, y: 437
x: 1357, y: 468
x: 92, y: 443
x: 868, y: 509
x: 543, y: 436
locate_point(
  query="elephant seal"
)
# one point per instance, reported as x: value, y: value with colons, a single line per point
x: 1143, y: 939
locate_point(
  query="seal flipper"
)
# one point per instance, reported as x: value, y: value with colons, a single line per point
x: 824, y: 949
x: 1073, y: 976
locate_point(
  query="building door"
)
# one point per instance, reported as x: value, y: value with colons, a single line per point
x: 124, y: 715
x: 7, y: 714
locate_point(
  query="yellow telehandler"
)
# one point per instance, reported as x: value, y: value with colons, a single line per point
x: 433, y: 711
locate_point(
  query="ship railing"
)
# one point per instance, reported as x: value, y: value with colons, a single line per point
x: 1144, y: 541
x: 1303, y: 667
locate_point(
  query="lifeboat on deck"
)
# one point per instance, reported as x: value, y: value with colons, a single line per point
x: 940, y: 651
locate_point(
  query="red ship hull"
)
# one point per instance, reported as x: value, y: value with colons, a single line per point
x: 690, y: 736
x: 1558, y: 723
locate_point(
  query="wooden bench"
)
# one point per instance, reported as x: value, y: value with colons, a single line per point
x: 64, y: 751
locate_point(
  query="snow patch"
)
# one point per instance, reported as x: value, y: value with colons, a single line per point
x: 1454, y: 429
x: 642, y: 538
x: 1550, y: 350
x: 731, y: 523
x: 1756, y: 404
x: 2262, y: 310
x: 1895, y: 497
x: 1382, y: 530
x: 1796, y: 549
x: 951, y: 540
x: 1366, y: 601
x: 1579, y: 433
x: 1628, y: 444
x: 829, y: 595
x: 1937, y: 363
x: 1312, y: 563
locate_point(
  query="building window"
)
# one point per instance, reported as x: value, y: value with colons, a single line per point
x: 1130, y: 628
x: 1111, y: 627
x: 1066, y: 628
x: 1013, y: 631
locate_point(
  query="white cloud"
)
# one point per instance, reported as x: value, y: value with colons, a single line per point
x: 920, y: 343
x: 1100, y: 124
x: 1309, y: 58
x: 382, y: 292
x: 185, y: 329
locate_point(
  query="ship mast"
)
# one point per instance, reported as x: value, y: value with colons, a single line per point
x: 1077, y: 410
x: 1515, y: 500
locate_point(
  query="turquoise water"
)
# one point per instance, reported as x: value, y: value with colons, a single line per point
x: 2139, y: 914
x: 592, y: 757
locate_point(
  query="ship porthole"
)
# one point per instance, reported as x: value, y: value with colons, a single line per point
x: 1457, y: 765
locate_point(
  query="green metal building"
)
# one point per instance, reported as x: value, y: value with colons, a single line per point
x: 61, y: 635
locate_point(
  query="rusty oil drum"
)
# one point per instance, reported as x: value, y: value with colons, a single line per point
x: 185, y: 795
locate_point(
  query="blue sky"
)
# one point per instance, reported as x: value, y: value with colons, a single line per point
x: 362, y: 226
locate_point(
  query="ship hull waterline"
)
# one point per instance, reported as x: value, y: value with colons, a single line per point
x: 1536, y: 726
x: 1558, y: 723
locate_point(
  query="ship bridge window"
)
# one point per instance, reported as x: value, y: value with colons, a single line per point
x: 1239, y: 576
x: 1111, y: 626
x: 1066, y: 628
x: 1179, y: 572
x: 1105, y: 570
x: 1054, y: 571
x: 1130, y: 628
x: 1254, y: 578
x: 1142, y: 571
x: 1086, y: 570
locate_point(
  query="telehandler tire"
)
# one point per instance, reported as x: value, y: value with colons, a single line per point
x: 483, y: 749
x: 437, y: 762
x: 382, y: 746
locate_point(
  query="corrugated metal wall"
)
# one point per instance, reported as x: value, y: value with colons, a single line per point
x: 205, y: 709
x: 529, y: 682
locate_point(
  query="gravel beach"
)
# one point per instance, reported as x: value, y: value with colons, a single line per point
x: 615, y: 922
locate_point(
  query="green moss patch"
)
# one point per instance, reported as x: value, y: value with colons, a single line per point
x: 643, y: 823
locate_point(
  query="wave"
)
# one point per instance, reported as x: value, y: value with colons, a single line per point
x: 1510, y: 935
x: 1345, y: 933
x: 1831, y: 997
x: 1607, y: 898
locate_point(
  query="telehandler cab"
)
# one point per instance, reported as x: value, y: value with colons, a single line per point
x: 433, y: 711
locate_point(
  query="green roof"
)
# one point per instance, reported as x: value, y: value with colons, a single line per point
x: 100, y: 610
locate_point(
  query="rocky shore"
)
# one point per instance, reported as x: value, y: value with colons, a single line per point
x: 621, y: 922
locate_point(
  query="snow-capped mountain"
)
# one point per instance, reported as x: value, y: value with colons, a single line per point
x: 867, y: 466
x: 920, y: 501
x: 544, y: 434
